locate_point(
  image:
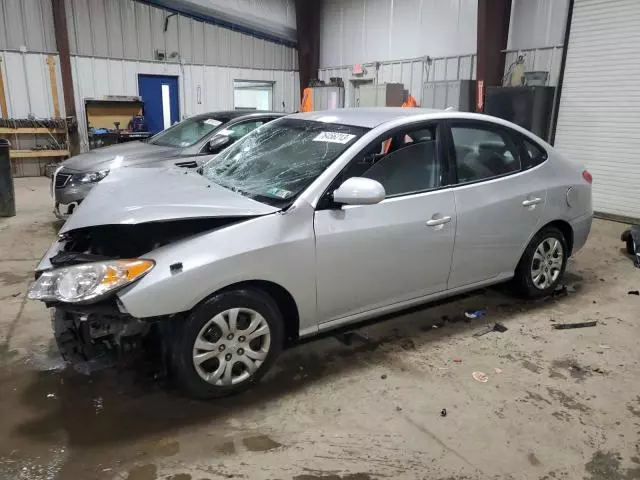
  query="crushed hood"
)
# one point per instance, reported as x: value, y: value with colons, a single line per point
x: 139, y: 195
x: 128, y: 154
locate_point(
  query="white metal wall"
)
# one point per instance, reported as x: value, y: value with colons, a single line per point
x: 413, y: 73
x: 361, y: 31
x: 273, y: 17
x: 202, y: 88
x: 536, y: 32
x: 26, y: 23
x: 599, y: 114
x: 537, y: 23
x: 133, y: 30
x: 27, y: 84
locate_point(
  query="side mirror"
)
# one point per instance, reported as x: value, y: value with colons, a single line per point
x: 217, y: 143
x: 359, y: 191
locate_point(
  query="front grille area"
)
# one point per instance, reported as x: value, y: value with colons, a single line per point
x: 62, y: 179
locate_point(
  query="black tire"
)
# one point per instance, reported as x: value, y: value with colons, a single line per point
x: 631, y: 246
x: 523, y: 280
x: 181, y: 346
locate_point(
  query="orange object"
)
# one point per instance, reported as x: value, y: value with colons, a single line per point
x: 410, y: 102
x: 307, y: 100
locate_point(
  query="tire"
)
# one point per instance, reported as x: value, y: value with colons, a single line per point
x: 222, y: 349
x: 631, y: 245
x: 525, y: 278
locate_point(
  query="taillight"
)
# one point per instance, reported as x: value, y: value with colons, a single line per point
x: 587, y: 176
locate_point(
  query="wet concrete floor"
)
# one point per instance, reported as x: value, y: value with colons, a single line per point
x: 558, y: 404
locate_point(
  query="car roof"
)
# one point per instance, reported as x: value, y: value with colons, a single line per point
x: 229, y: 115
x: 373, y: 117
x: 363, y: 117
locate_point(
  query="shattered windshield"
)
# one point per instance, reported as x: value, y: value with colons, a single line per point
x: 188, y: 132
x: 276, y: 162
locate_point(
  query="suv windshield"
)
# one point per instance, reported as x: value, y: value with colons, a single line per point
x: 276, y: 162
x: 188, y: 132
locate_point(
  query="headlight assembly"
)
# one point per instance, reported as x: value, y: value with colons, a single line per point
x: 89, y: 282
x: 91, y: 177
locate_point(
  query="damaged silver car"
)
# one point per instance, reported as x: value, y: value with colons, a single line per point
x: 311, y: 222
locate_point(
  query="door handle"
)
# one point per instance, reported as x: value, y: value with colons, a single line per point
x: 434, y: 222
x: 533, y: 201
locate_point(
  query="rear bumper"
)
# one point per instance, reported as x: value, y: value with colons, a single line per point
x: 581, y: 228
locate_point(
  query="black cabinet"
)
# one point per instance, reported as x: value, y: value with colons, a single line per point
x: 529, y: 107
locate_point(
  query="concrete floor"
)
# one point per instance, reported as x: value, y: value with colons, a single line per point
x: 558, y: 404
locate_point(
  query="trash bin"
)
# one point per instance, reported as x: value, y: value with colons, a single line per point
x: 7, y: 194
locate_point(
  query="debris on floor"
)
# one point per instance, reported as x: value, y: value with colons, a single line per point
x: 473, y: 314
x: 633, y: 292
x: 566, y: 326
x: 348, y: 338
x: 560, y: 291
x: 443, y: 412
x: 492, y: 327
x: 480, y: 377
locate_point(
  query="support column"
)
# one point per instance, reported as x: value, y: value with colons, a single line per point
x: 308, y: 33
x: 62, y: 44
x: 493, y: 34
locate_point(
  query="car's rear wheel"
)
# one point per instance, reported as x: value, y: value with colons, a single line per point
x: 542, y: 264
x: 227, y: 343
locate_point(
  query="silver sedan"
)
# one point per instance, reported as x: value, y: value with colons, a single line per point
x: 311, y: 222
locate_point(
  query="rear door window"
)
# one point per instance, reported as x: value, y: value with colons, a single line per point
x: 483, y: 152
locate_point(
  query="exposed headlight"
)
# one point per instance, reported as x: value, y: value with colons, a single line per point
x: 88, y: 282
x: 91, y: 177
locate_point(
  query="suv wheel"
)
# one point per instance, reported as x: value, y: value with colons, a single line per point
x: 542, y: 264
x: 227, y: 343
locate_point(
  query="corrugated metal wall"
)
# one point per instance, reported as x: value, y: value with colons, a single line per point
x: 413, y: 73
x: 26, y: 23
x: 27, y: 84
x: 360, y: 31
x: 134, y: 31
x: 202, y: 88
x: 536, y: 32
x: 537, y: 23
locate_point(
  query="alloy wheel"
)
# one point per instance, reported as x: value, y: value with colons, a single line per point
x: 231, y: 346
x: 547, y: 262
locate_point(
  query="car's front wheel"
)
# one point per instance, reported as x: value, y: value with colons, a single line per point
x: 542, y: 264
x: 227, y: 343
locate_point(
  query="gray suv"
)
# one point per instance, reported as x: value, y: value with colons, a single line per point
x: 185, y: 144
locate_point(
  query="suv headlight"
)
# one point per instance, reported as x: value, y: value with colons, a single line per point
x: 89, y: 282
x: 91, y: 177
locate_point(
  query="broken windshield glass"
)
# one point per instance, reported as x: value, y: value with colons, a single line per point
x: 276, y: 162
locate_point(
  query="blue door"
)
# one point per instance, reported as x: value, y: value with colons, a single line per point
x: 160, y: 97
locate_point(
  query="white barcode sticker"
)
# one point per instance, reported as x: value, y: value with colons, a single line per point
x: 213, y: 122
x: 334, y: 137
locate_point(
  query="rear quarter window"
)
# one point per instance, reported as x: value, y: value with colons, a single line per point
x: 532, y: 154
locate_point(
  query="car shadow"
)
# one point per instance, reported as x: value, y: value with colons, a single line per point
x: 121, y: 406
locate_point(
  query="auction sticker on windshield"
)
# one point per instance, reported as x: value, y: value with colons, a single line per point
x: 213, y: 122
x: 334, y: 137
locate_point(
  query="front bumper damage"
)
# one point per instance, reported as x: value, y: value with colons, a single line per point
x: 94, y: 337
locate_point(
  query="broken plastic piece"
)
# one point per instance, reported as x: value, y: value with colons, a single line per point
x: 565, y: 326
x: 480, y: 377
x: 473, y: 314
x: 492, y: 327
